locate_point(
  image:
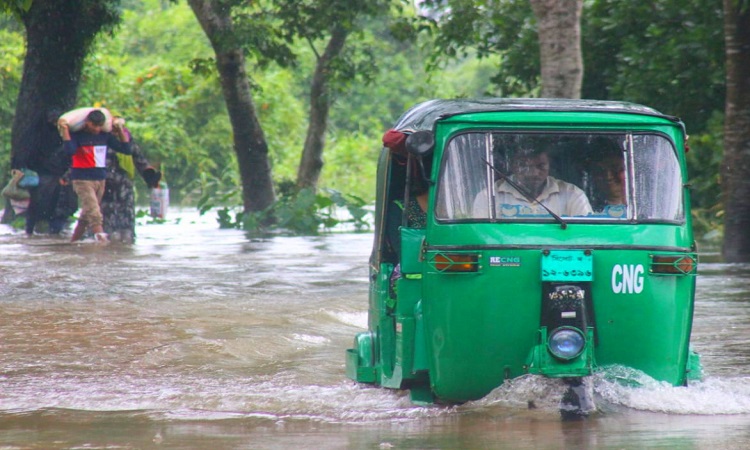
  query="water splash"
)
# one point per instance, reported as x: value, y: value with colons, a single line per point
x: 620, y: 387
x: 527, y: 391
x: 633, y: 389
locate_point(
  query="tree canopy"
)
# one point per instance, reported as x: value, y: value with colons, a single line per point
x: 157, y: 71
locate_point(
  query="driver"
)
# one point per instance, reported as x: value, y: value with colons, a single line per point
x: 530, y: 169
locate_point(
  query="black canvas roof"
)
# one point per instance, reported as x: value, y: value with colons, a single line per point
x: 424, y: 115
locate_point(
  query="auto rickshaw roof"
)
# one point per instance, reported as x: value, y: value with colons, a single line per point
x: 424, y: 115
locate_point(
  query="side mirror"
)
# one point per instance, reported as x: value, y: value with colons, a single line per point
x: 420, y: 143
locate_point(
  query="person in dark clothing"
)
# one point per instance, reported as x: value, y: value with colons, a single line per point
x: 88, y: 148
x: 118, y: 202
x: 413, y: 212
x: 51, y: 200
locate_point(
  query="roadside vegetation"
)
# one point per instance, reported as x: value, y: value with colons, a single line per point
x: 156, y: 69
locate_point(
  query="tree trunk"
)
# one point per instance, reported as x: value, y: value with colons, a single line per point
x: 736, y: 163
x: 250, y: 144
x: 559, y: 30
x: 58, y: 37
x: 311, y: 162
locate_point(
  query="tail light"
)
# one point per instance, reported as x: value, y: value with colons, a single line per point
x: 456, y: 262
x: 674, y: 264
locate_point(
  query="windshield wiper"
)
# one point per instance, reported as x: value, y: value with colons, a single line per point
x: 526, y: 193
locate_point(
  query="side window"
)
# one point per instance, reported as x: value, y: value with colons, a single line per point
x: 463, y: 177
x: 658, y: 181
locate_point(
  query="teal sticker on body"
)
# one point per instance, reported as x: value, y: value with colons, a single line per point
x: 567, y: 265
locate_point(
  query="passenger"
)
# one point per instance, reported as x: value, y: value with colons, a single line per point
x: 529, y: 168
x: 414, y: 213
x: 118, y: 202
x: 608, y: 175
x: 88, y: 148
x: 47, y: 159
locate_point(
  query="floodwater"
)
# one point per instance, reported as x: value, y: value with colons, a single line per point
x: 200, y: 338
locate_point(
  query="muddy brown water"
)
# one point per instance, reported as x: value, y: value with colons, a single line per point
x: 200, y: 338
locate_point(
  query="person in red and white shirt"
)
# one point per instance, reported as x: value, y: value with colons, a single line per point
x: 88, y: 148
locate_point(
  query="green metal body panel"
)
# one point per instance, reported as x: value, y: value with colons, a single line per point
x: 482, y: 326
x: 455, y: 336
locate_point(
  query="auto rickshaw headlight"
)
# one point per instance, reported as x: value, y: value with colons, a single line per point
x: 566, y: 343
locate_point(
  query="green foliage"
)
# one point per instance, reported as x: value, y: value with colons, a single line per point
x: 668, y: 54
x: 157, y: 71
x: 704, y: 163
x: 296, y: 211
x: 313, y: 20
x: 155, y: 31
x: 219, y: 191
x: 179, y: 118
x: 141, y: 74
x: 283, y: 114
x: 399, y: 81
x: 11, y: 62
x: 173, y: 104
x: 504, y: 31
x: 351, y: 163
x: 153, y: 102
x: 15, y: 6
x: 178, y: 115
x: 262, y: 34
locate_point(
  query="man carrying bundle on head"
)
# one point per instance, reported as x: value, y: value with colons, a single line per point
x: 88, y: 172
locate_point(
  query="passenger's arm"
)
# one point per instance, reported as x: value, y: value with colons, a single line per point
x: 119, y: 145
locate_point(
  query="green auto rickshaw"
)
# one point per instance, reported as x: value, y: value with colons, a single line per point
x: 528, y: 236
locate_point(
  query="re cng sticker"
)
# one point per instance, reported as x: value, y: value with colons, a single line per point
x: 505, y: 261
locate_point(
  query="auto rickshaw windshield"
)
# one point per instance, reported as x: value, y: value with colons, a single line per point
x: 579, y: 176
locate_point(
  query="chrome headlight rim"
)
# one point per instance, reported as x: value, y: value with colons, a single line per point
x: 561, y: 332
